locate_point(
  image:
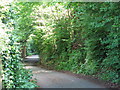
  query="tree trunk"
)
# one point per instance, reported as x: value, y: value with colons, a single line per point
x: 23, y: 52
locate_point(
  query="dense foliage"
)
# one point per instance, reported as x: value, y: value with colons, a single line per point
x: 14, y: 75
x: 75, y: 36
x: 80, y: 37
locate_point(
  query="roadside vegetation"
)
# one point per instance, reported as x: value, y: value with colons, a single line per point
x: 73, y: 36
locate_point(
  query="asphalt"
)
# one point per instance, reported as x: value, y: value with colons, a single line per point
x: 53, y: 79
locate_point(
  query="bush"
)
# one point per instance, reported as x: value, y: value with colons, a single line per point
x: 14, y: 74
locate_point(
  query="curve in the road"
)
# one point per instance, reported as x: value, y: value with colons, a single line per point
x: 52, y: 79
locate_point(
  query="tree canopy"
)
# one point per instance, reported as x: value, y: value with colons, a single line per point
x: 75, y: 36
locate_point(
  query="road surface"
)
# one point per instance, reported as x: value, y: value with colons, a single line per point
x: 52, y: 79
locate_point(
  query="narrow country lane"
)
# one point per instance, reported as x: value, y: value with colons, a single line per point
x: 51, y: 79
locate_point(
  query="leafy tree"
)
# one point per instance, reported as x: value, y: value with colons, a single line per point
x: 75, y: 36
x: 84, y: 40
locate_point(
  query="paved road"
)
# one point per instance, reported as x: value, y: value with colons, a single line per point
x: 51, y: 79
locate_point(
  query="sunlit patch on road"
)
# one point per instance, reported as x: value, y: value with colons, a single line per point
x: 33, y: 56
x: 41, y: 71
